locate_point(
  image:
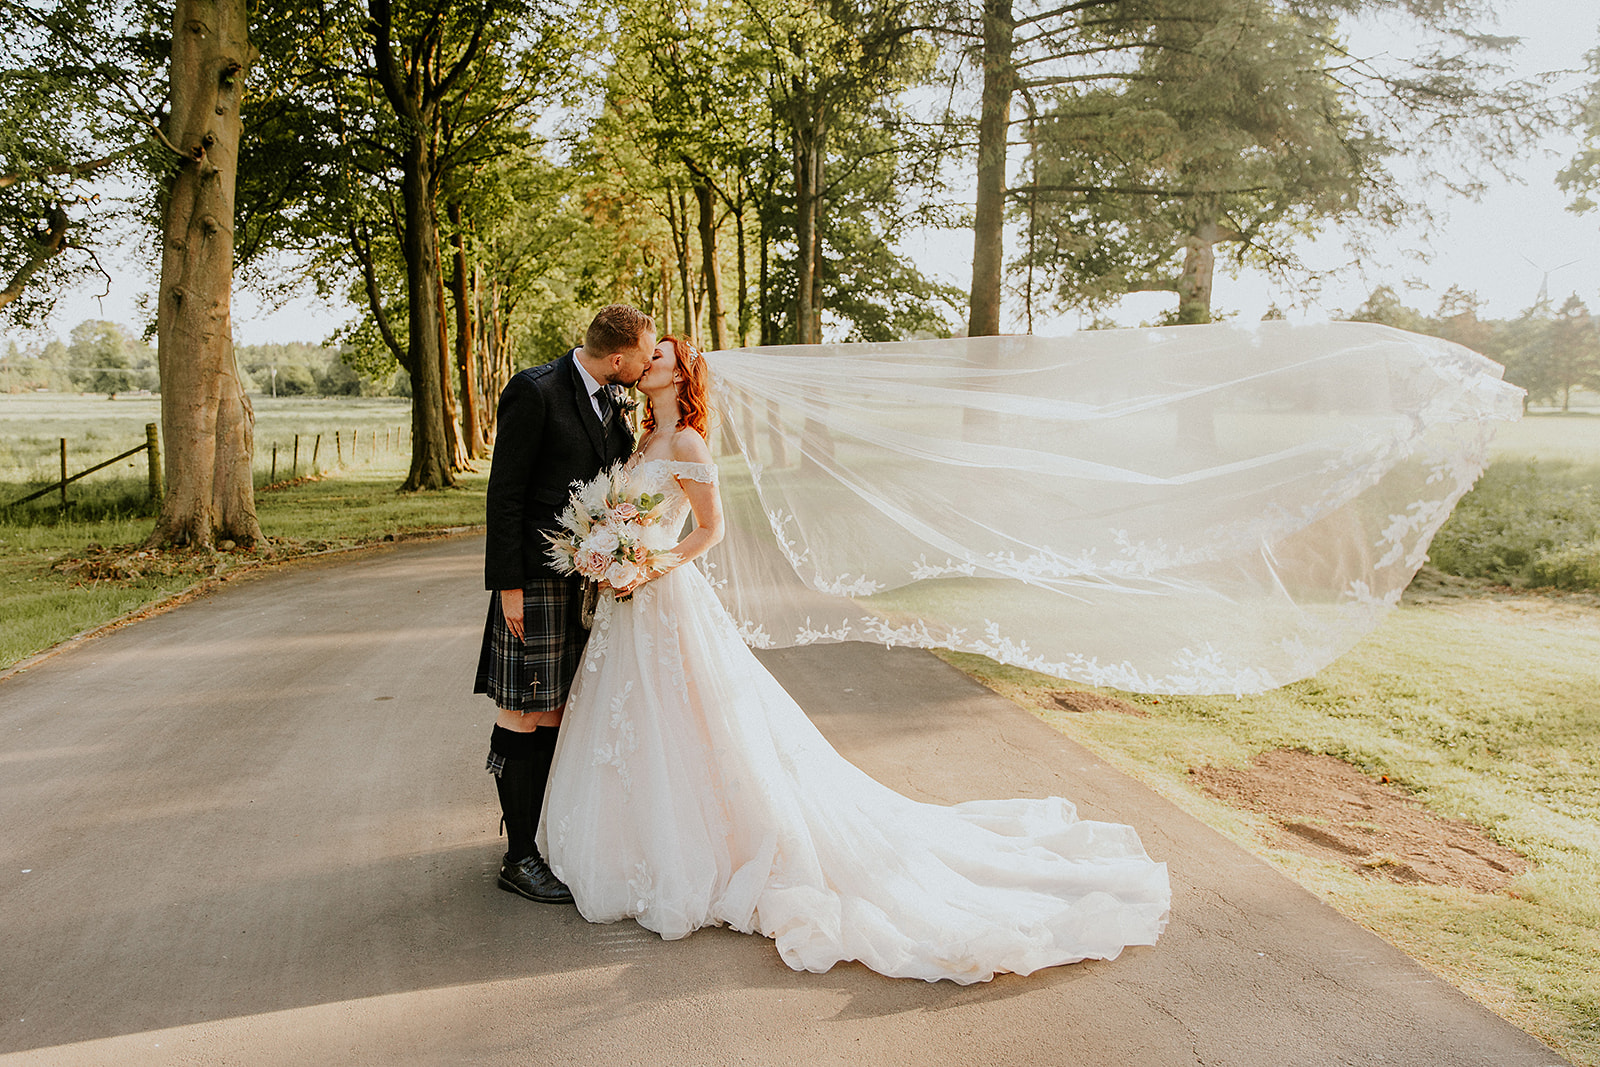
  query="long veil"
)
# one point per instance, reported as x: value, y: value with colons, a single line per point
x: 1195, y: 509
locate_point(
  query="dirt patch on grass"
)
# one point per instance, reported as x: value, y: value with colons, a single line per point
x: 1080, y: 700
x: 1324, y: 807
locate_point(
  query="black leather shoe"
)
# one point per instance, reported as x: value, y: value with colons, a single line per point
x: 531, y: 877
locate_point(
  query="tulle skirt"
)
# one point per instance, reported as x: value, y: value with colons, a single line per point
x: 690, y: 790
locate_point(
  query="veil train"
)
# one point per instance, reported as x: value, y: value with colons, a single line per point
x: 1189, y: 509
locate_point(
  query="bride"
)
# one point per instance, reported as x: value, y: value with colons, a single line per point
x: 690, y: 790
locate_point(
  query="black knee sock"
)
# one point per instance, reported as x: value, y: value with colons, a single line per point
x: 521, y: 784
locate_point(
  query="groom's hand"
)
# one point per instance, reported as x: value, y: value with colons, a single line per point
x: 511, y: 608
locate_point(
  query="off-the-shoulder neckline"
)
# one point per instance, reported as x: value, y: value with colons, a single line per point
x: 680, y: 464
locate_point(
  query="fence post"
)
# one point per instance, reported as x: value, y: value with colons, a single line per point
x: 294, y: 471
x: 316, y: 446
x: 274, y: 475
x: 355, y: 435
x: 63, y: 472
x: 338, y: 448
x: 152, y: 447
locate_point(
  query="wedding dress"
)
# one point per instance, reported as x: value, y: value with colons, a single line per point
x: 690, y: 790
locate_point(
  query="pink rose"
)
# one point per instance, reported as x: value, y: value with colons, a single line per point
x: 640, y: 554
x: 625, y: 512
x: 592, y: 564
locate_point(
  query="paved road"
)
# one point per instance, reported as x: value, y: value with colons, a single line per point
x: 255, y: 830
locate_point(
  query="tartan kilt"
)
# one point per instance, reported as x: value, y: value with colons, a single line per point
x: 535, y: 674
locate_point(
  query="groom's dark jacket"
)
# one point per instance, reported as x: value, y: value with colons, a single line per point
x: 547, y: 437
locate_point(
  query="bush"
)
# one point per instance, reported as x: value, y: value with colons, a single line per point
x: 1572, y: 567
x: 1526, y: 524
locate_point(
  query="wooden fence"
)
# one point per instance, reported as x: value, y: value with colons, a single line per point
x: 151, y: 445
x: 346, y: 443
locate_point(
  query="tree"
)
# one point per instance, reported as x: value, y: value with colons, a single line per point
x: 1438, y: 102
x: 99, y: 90
x: 831, y: 61
x: 1581, y: 176
x: 1232, y: 131
x: 106, y: 359
x: 1574, y: 350
x: 207, y: 421
x: 389, y: 118
x: 77, y: 96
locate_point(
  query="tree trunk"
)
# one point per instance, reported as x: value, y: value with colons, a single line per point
x: 989, y: 216
x: 744, y: 270
x: 471, y: 424
x: 483, y: 358
x: 678, y: 222
x: 816, y: 443
x: 1199, y: 262
x: 455, y: 440
x: 1196, y: 418
x: 821, y: 151
x: 768, y: 334
x: 666, y: 299
x: 431, y: 458
x: 707, y: 208
x: 807, y: 133
x: 206, y: 419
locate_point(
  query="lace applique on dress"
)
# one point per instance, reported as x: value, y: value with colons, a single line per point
x: 599, y: 635
x: 643, y: 886
x: 678, y: 468
x: 614, y: 752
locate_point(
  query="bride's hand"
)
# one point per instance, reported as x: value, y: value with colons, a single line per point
x: 648, y: 574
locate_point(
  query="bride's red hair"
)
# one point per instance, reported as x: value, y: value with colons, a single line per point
x: 694, y: 389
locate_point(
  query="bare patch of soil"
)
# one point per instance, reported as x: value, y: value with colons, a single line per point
x: 1324, y: 807
x: 1081, y: 700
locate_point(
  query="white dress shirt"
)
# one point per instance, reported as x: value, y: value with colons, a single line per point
x: 591, y: 386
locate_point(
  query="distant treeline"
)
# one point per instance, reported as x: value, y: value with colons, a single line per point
x: 1550, y: 351
x: 104, y: 357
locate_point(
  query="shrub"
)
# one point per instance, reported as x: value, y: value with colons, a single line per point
x: 1526, y: 523
x: 1571, y: 567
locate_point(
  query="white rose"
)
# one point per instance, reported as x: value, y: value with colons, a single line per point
x: 603, y: 540
x: 621, y: 574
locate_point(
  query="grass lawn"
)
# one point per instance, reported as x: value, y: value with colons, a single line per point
x: 1551, y: 436
x: 1486, y: 710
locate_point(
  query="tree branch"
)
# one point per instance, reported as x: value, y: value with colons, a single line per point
x: 363, y: 253
x: 50, y: 243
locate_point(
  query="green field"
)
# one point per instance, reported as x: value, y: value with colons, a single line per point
x: 1549, y: 436
x: 354, y: 432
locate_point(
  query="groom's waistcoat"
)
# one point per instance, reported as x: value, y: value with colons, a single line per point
x: 547, y: 436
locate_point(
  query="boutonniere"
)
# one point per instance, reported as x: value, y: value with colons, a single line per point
x: 626, y: 404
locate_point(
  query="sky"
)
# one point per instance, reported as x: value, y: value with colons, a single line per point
x: 1500, y: 246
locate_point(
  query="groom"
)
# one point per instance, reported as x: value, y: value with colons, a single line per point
x: 558, y: 423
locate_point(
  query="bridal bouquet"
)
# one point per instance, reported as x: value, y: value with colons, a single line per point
x: 602, y: 531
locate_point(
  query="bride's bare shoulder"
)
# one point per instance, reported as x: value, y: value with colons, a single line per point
x: 689, y: 447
